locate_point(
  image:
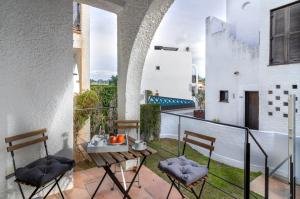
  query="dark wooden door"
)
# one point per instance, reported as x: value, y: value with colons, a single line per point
x: 252, y: 110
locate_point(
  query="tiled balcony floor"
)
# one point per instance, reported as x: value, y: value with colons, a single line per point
x: 278, y: 189
x: 86, y: 181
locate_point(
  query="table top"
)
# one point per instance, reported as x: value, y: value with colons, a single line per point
x: 106, y: 159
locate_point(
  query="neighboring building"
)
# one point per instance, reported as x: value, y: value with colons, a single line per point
x: 81, y: 47
x: 168, y: 72
x: 195, y: 75
x: 249, y: 74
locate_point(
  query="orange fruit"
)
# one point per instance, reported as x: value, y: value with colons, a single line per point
x: 113, y: 139
x: 121, y: 138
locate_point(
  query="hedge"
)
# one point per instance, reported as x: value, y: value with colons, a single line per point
x: 150, y: 121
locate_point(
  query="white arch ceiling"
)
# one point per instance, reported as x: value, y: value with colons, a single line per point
x: 115, y: 6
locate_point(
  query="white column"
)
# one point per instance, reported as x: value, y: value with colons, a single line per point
x: 85, y: 48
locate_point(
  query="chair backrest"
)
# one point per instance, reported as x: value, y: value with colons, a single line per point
x: 31, y: 139
x: 126, y: 124
x: 189, y: 139
x: 12, y: 147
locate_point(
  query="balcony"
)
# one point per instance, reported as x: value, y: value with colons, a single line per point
x: 76, y: 18
x: 36, y: 87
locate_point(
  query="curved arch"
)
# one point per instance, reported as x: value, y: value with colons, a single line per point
x: 115, y: 6
x: 147, y: 29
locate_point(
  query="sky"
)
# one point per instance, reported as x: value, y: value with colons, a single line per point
x: 182, y: 26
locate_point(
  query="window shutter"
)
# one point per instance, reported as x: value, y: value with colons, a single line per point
x: 295, y: 18
x: 279, y: 19
x: 278, y: 38
x: 294, y: 37
x: 294, y: 48
x: 277, y: 54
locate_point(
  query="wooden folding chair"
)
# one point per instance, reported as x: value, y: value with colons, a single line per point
x: 40, y: 172
x: 127, y: 125
x: 123, y: 125
x: 177, y: 181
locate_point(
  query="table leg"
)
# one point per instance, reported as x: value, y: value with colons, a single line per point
x: 99, y: 185
x: 116, y: 181
x: 123, y: 177
x: 137, y: 172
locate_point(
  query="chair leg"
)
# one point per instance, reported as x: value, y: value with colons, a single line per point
x: 195, y: 194
x: 61, y: 193
x: 178, y: 189
x: 202, y: 189
x: 56, y: 180
x: 34, y: 192
x: 170, y: 189
x: 138, y: 181
x: 21, y: 190
x: 174, y: 184
x: 113, y: 187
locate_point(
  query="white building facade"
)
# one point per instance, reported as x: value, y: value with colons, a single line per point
x: 169, y: 73
x: 238, y: 63
x: 244, y: 87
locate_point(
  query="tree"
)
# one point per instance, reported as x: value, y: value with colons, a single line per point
x: 113, y: 80
x: 200, y: 97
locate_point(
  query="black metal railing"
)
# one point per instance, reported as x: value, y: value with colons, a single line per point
x: 292, y: 178
x: 247, y: 151
x: 99, y: 118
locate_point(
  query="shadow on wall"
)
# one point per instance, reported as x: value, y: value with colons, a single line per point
x: 65, y: 151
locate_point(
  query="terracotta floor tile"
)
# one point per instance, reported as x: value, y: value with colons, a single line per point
x: 86, y: 181
x: 277, y: 188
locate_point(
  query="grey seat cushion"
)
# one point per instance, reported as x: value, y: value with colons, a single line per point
x: 44, y: 170
x: 183, y: 169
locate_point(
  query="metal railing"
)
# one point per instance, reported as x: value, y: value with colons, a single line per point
x: 247, y: 152
x: 99, y: 118
x: 170, y: 103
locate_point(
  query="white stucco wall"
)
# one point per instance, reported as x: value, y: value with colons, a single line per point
x: 36, y: 79
x: 174, y: 77
x: 253, y: 65
x: 240, y: 15
x: 270, y: 76
x: 260, y: 76
x: 85, y: 48
x: 225, y: 55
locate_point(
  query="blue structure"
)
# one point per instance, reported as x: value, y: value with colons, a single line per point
x: 168, y: 103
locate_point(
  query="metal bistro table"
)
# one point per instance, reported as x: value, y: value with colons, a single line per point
x: 106, y: 160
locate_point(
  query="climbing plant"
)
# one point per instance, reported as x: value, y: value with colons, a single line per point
x: 107, y: 108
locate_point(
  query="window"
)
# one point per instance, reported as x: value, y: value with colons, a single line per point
x: 223, y: 96
x: 194, y: 78
x: 157, y: 67
x: 285, y: 35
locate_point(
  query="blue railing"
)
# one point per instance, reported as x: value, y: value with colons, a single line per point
x: 167, y: 103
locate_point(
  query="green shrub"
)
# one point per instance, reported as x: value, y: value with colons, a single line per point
x: 83, y: 101
x: 150, y: 121
x: 107, y: 94
x: 108, y: 98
